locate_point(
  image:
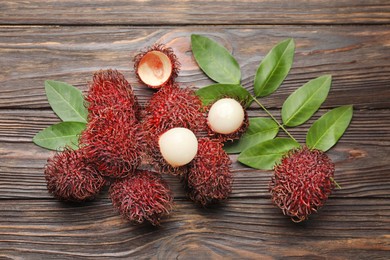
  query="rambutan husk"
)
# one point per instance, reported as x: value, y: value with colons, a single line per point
x: 171, y: 107
x: 232, y: 136
x: 114, y: 143
x: 71, y: 177
x: 143, y: 196
x: 209, y: 178
x: 157, y: 66
x: 302, y: 182
x: 109, y: 89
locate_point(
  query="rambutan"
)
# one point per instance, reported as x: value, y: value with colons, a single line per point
x: 302, y: 182
x: 209, y: 178
x: 143, y: 196
x: 168, y: 108
x: 157, y: 66
x: 227, y: 119
x: 109, y: 89
x: 71, y: 177
x: 114, y: 143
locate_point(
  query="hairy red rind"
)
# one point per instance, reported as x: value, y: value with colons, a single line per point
x: 171, y: 107
x: 71, y: 177
x: 110, y: 90
x: 143, y: 196
x: 169, y: 53
x: 209, y: 178
x: 302, y: 182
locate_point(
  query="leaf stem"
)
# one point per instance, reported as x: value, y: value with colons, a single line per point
x: 337, y: 185
x: 273, y: 118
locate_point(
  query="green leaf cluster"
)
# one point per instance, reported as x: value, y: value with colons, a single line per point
x: 260, y: 147
x: 69, y: 105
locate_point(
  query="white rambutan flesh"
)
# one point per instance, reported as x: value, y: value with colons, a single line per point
x: 226, y: 116
x: 178, y: 146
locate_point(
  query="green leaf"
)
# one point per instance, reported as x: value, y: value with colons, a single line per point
x: 305, y: 101
x: 274, y: 68
x: 260, y: 129
x: 66, y: 101
x: 57, y: 136
x: 215, y: 60
x: 327, y: 130
x: 264, y: 155
x: 211, y: 93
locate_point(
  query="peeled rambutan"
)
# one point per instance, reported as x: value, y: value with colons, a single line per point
x: 209, y: 177
x: 168, y: 108
x: 110, y: 89
x: 114, y: 143
x: 227, y: 119
x: 71, y: 177
x: 302, y: 182
x: 157, y: 66
x: 142, y: 196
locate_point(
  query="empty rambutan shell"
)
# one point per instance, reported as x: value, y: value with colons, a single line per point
x: 157, y: 66
x: 71, y: 177
x: 302, y: 182
x: 109, y: 89
x: 168, y: 108
x: 227, y: 119
x: 114, y: 143
x: 209, y: 177
x: 143, y: 196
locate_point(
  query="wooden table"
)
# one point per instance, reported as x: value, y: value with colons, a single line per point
x: 69, y: 40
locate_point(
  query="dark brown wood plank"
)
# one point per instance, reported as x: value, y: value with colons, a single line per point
x: 241, y: 228
x: 361, y: 157
x: 195, y: 12
x: 354, y: 55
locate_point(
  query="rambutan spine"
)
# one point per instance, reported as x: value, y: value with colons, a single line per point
x: 209, y: 177
x: 302, y: 182
x: 143, y: 196
x: 71, y: 177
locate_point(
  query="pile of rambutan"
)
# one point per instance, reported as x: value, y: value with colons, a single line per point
x: 128, y: 147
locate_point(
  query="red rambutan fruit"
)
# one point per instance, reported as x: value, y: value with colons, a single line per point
x: 110, y: 89
x: 169, y: 108
x: 157, y: 66
x: 302, y: 182
x: 114, y: 143
x: 142, y: 196
x: 71, y: 177
x: 209, y: 177
x: 227, y: 119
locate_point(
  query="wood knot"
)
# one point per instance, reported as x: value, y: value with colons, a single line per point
x: 356, y: 154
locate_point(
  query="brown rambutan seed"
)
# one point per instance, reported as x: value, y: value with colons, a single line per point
x: 114, y: 143
x: 110, y: 89
x: 226, y: 119
x: 302, y: 182
x: 157, y: 66
x: 71, y: 177
x: 168, y: 108
x: 143, y: 196
x: 209, y: 178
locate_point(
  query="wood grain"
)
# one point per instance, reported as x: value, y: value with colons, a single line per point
x: 242, y: 228
x: 201, y: 12
x: 353, y: 55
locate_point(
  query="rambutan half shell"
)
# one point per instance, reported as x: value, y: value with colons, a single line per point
x: 157, y: 66
x: 168, y: 108
x: 302, y: 182
x: 143, y: 196
x: 71, y: 177
x: 209, y: 177
x: 114, y: 143
x: 109, y: 89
